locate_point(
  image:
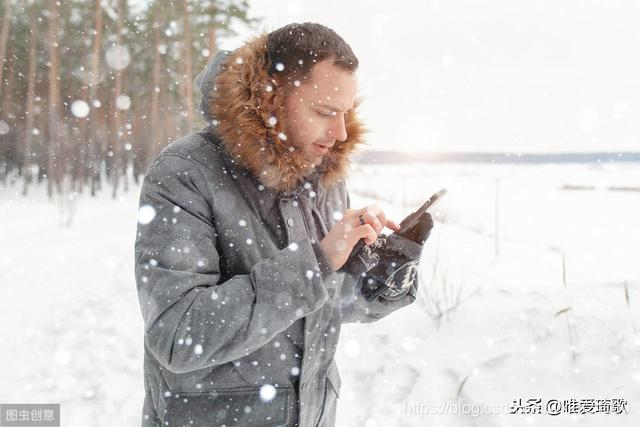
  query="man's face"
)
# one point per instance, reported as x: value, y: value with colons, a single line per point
x: 315, y: 110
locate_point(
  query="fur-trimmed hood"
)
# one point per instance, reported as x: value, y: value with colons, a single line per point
x: 235, y: 87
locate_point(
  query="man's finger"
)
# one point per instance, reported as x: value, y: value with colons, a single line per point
x: 366, y: 232
x: 392, y: 225
x: 370, y: 218
x: 382, y: 217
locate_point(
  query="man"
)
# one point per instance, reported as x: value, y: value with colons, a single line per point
x: 243, y: 231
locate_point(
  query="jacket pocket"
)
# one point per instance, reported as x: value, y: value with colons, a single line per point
x: 240, y: 406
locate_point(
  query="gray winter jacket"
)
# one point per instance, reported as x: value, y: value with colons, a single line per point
x: 242, y: 310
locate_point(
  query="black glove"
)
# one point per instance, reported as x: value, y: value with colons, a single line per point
x: 390, y: 265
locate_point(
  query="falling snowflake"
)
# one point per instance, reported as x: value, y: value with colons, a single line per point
x: 118, y: 57
x: 123, y: 102
x: 146, y: 213
x: 80, y: 109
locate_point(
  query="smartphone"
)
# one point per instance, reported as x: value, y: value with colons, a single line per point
x: 410, y: 220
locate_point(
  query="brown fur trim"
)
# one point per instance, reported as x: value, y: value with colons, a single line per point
x: 243, y: 88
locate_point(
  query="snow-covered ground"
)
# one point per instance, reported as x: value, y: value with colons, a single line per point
x: 498, y: 317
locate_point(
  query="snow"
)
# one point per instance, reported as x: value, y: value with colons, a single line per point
x: 488, y: 329
x: 69, y: 307
x: 123, y: 102
x: 146, y: 213
x: 80, y: 109
x: 4, y: 127
x: 494, y: 322
x: 117, y: 57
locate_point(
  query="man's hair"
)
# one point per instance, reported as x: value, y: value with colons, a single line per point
x: 294, y: 49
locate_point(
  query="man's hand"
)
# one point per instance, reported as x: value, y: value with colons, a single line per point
x: 366, y: 223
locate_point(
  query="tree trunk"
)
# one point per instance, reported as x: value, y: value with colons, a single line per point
x: 213, y: 41
x: 156, y: 128
x: 94, y: 158
x: 83, y: 140
x: 9, y: 148
x: 54, y: 100
x: 4, y: 37
x: 31, y: 85
x: 116, y: 128
x: 188, y: 67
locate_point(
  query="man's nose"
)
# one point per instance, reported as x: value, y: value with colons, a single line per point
x: 338, y: 131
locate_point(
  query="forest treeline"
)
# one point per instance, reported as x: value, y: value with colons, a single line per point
x: 91, y: 90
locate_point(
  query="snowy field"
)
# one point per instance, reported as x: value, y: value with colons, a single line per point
x: 522, y: 296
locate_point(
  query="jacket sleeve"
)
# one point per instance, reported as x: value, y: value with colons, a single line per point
x: 355, y: 309
x: 193, y: 320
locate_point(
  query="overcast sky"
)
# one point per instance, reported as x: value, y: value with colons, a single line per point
x: 495, y: 75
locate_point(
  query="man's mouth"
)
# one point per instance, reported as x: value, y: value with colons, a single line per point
x: 322, y: 148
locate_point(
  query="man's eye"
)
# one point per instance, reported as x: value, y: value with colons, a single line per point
x: 323, y: 114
